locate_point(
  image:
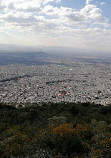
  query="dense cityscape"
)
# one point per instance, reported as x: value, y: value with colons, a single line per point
x: 61, y: 81
x: 55, y: 79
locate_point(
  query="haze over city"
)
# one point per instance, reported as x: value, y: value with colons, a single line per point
x: 55, y: 78
x: 32, y: 25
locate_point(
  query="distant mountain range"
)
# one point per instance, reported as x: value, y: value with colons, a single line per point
x: 41, y: 58
x: 37, y: 58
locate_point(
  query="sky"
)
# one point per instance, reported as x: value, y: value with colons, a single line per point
x: 82, y: 25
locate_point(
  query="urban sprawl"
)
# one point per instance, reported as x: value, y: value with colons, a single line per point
x: 70, y: 81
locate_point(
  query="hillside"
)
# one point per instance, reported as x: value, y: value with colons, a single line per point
x: 55, y: 130
x: 32, y: 58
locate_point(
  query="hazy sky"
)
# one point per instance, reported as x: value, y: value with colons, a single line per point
x: 81, y: 24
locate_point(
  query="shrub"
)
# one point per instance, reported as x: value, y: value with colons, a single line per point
x: 65, y: 140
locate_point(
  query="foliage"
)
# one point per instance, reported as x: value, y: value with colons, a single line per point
x: 55, y: 130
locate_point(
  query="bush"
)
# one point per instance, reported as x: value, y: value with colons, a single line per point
x: 62, y: 139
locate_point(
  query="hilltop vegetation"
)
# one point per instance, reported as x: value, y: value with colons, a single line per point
x: 55, y: 130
